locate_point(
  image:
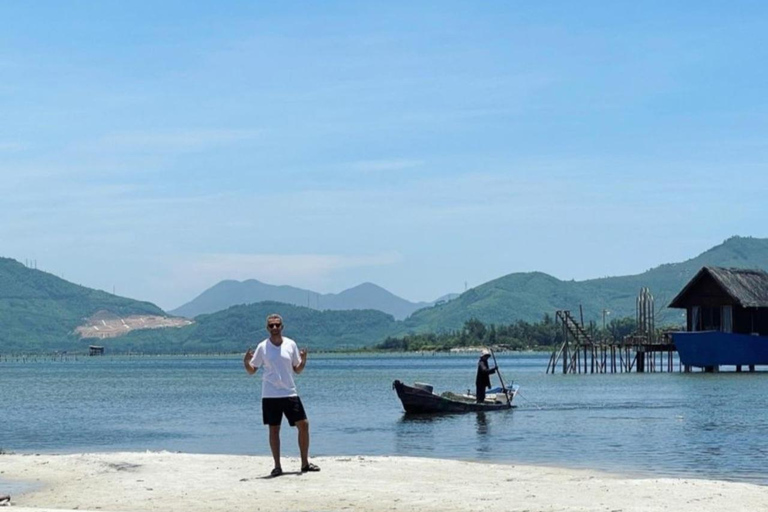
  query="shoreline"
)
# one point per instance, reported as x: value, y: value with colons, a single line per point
x: 145, y: 481
x: 628, y: 473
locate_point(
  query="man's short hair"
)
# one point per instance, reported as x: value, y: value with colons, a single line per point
x: 274, y: 316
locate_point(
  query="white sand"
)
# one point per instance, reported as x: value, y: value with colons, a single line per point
x: 189, y: 483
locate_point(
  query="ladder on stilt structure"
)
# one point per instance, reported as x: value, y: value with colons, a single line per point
x: 577, y: 345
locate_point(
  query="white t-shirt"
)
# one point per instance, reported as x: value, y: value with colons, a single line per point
x: 278, y: 362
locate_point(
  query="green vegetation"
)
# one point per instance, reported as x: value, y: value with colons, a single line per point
x: 39, y: 311
x: 521, y: 335
x: 525, y: 296
x: 240, y: 327
x: 230, y: 293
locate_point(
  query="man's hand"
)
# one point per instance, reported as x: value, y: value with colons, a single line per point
x: 247, y: 362
x: 303, y: 357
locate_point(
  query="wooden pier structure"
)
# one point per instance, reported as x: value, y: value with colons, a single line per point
x: 644, y: 351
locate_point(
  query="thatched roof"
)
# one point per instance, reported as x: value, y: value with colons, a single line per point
x: 749, y: 288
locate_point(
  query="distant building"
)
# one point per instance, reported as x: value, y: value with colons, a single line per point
x: 95, y: 350
x: 726, y: 318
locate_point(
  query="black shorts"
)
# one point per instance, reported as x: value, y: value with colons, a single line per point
x: 272, y: 410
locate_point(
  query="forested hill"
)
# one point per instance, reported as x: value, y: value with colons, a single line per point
x: 527, y: 296
x: 240, y: 327
x: 39, y: 311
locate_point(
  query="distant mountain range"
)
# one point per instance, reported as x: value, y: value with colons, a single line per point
x: 39, y: 312
x: 365, y: 296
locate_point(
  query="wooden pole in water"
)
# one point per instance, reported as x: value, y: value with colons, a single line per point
x: 565, y: 347
x: 498, y: 372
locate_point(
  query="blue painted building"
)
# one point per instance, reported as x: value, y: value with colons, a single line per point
x: 726, y: 317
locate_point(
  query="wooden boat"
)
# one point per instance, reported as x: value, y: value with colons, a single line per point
x: 420, y: 399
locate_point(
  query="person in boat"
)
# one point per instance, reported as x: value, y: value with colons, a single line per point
x: 281, y: 358
x: 483, y: 378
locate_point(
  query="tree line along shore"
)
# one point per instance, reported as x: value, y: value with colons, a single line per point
x: 518, y: 336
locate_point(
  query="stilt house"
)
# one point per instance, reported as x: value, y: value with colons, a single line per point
x: 726, y: 318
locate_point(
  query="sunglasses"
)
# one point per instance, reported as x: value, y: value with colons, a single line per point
x: 272, y: 326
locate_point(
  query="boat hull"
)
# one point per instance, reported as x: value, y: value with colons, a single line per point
x: 714, y: 348
x: 420, y: 401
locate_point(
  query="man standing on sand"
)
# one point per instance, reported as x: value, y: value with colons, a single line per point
x: 281, y: 358
x: 483, y: 377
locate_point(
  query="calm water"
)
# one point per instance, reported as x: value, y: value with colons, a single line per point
x: 696, y: 425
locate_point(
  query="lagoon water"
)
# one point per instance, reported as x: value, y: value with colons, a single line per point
x: 662, y: 424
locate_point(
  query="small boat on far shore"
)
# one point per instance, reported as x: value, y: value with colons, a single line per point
x: 421, y: 399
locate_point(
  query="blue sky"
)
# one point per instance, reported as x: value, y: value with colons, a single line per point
x: 156, y: 148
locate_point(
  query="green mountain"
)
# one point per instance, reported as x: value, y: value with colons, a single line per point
x: 240, y: 327
x: 39, y: 311
x: 528, y: 296
x: 231, y: 293
x: 519, y: 296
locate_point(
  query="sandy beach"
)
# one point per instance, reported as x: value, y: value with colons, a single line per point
x: 171, y: 482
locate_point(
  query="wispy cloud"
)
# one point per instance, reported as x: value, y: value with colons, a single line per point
x: 183, y: 141
x: 12, y: 147
x: 386, y: 165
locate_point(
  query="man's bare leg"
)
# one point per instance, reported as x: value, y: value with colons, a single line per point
x: 303, y: 428
x: 274, y: 443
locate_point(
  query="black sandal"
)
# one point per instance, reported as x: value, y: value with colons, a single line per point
x: 277, y: 472
x: 310, y: 467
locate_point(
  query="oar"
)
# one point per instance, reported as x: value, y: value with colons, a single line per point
x: 503, y: 387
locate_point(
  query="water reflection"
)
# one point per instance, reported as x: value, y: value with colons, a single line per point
x: 484, y: 445
x: 415, y: 433
x: 424, y: 434
x: 482, y: 424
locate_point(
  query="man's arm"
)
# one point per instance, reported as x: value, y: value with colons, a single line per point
x: 247, y: 362
x: 303, y: 356
x: 484, y: 368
